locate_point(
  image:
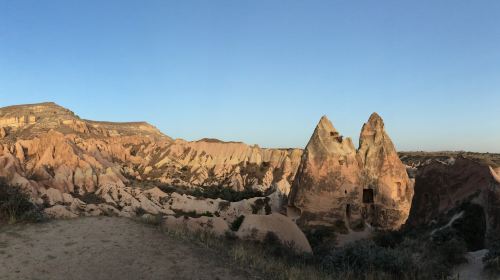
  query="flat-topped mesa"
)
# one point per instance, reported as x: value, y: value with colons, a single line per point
x: 338, y: 186
x: 25, y: 121
x: 19, y: 116
x: 126, y: 129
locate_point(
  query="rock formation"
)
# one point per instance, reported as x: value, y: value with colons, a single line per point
x: 76, y: 167
x: 384, y: 175
x: 337, y: 186
x: 49, y: 146
x: 465, y: 191
x: 326, y: 188
x: 258, y: 227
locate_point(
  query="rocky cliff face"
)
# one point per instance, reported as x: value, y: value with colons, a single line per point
x: 337, y: 186
x: 47, y: 146
x: 464, y: 194
x: 327, y: 186
x: 385, y: 174
x: 58, y: 157
x: 76, y: 167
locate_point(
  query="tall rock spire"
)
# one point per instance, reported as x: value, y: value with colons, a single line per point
x: 385, y: 173
x: 335, y: 184
x: 327, y: 179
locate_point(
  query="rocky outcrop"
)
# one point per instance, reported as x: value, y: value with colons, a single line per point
x: 383, y: 174
x: 213, y: 225
x: 56, y: 149
x: 327, y: 181
x: 466, y: 192
x: 76, y: 167
x: 339, y: 186
x: 228, y: 164
x: 262, y: 227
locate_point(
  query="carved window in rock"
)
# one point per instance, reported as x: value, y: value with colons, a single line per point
x: 368, y: 195
x: 336, y: 135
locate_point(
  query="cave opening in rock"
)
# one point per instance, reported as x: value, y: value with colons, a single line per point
x: 367, y: 195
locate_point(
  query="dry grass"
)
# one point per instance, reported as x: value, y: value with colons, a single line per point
x: 254, y: 257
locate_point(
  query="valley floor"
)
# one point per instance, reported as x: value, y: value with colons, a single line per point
x: 104, y: 248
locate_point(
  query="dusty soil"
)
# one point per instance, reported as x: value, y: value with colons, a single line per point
x: 104, y: 248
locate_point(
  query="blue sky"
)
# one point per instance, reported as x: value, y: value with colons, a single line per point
x: 263, y: 72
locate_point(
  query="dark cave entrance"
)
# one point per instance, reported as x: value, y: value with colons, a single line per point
x: 367, y: 195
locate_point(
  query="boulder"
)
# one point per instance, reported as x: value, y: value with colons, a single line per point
x: 258, y: 227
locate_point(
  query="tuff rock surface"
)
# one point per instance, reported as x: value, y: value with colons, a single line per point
x: 76, y: 167
x: 341, y: 187
x: 464, y: 195
x: 47, y: 146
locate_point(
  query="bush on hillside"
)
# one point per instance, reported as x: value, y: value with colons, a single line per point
x: 322, y: 240
x: 364, y: 257
x: 225, y: 193
x: 15, y: 205
x: 491, y: 260
x: 398, y: 255
x: 236, y: 224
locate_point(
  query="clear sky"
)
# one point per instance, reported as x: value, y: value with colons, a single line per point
x: 263, y: 71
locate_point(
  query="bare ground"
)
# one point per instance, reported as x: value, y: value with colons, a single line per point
x: 105, y: 248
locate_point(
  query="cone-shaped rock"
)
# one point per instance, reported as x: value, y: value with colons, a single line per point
x: 384, y: 172
x: 340, y: 187
x: 327, y: 181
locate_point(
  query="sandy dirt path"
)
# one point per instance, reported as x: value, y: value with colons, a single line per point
x: 104, y: 248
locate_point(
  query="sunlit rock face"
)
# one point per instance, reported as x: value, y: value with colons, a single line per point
x: 383, y: 172
x: 46, y: 146
x: 340, y: 187
x: 75, y: 167
x: 327, y: 186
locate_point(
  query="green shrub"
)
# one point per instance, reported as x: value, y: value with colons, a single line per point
x: 388, y: 239
x: 261, y: 203
x: 236, y: 224
x: 224, y: 205
x: 322, y: 240
x: 225, y: 193
x: 365, y: 256
x: 15, y: 205
x: 340, y: 227
x: 268, y: 208
x: 207, y: 214
x: 139, y: 211
x: 90, y: 198
x: 491, y: 260
x: 273, y: 246
x: 450, y: 246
